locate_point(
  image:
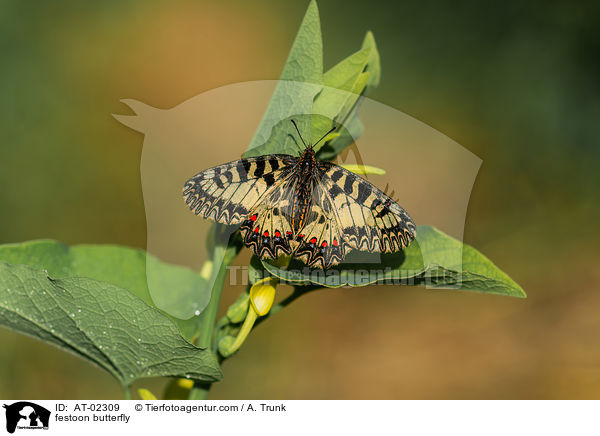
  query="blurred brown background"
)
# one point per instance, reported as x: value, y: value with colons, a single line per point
x: 516, y: 84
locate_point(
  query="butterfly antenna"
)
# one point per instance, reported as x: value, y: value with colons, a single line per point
x: 298, y: 130
x: 323, y: 137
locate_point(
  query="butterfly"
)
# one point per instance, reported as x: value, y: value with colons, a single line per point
x: 313, y: 210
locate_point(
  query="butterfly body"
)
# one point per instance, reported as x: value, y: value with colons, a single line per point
x: 307, y: 173
x: 316, y: 211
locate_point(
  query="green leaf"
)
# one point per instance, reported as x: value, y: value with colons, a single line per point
x: 100, y: 322
x: 300, y: 95
x: 373, y: 65
x: 353, y: 130
x: 434, y: 259
x: 345, y: 83
x: 176, y: 290
x: 293, y: 97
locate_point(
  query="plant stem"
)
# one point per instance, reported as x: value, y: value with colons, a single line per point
x: 236, y: 343
x: 297, y: 293
x: 199, y: 391
x: 209, y: 316
x: 207, y: 325
x: 127, y: 392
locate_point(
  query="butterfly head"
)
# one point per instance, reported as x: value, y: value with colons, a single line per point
x: 307, y: 158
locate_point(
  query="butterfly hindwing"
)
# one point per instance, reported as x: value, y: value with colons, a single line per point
x: 226, y: 193
x: 321, y: 242
x: 267, y: 229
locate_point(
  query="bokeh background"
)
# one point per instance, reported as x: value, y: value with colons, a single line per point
x: 515, y: 83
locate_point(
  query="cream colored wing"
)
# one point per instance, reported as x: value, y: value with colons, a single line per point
x: 267, y: 230
x: 369, y: 219
x: 228, y: 192
x: 321, y: 242
x: 348, y: 213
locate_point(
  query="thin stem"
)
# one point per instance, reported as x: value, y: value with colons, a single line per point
x: 235, y: 344
x: 127, y: 392
x: 199, y: 391
x: 207, y: 324
x: 208, y: 318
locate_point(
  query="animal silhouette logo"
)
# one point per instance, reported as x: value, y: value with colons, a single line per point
x: 26, y: 415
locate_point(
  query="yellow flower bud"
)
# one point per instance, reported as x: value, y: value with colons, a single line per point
x: 145, y: 394
x: 178, y: 389
x: 206, y: 270
x: 262, y: 295
x: 185, y: 383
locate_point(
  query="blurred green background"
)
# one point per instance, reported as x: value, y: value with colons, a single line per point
x: 516, y: 83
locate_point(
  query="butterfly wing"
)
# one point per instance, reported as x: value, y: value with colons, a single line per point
x: 348, y: 213
x: 369, y: 219
x: 268, y: 230
x: 228, y: 192
x: 320, y: 243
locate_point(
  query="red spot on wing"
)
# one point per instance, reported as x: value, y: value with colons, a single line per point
x: 313, y: 240
x: 277, y: 234
x: 266, y: 234
x: 253, y: 217
x: 257, y: 229
x: 324, y: 244
x: 335, y: 242
x: 301, y: 236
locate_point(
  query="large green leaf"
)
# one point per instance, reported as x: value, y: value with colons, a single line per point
x: 293, y: 97
x: 100, y: 322
x: 434, y: 259
x: 176, y: 290
x: 315, y: 100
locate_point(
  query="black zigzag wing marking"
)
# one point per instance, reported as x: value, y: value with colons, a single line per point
x: 226, y: 193
x: 267, y: 229
x: 370, y: 219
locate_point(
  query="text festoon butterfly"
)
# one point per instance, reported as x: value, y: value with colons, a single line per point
x: 314, y: 210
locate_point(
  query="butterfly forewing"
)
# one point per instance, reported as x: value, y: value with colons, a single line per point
x: 226, y: 193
